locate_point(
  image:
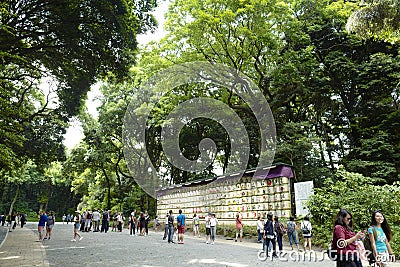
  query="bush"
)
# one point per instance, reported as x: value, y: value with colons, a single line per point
x: 357, y: 194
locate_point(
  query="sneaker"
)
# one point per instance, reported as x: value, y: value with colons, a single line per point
x: 212, y: 243
x: 73, y: 240
x: 80, y: 238
x: 207, y: 242
x: 45, y: 238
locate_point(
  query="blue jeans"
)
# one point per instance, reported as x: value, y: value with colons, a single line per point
x: 279, y: 239
x: 259, y: 235
x: 292, y: 238
x: 170, y: 234
x: 213, y: 233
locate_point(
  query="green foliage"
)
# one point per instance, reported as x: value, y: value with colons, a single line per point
x: 357, y: 194
x: 376, y: 19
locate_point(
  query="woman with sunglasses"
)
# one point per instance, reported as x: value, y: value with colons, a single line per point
x: 344, y: 240
x: 380, y: 236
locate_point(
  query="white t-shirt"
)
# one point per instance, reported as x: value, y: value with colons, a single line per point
x: 208, y: 221
x: 96, y: 215
x: 213, y: 222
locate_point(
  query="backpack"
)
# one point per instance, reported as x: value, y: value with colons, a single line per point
x: 368, y: 246
x: 280, y: 229
x: 291, y: 227
x: 305, y: 229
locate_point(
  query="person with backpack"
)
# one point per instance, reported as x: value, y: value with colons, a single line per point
x: 280, y: 231
x: 51, y: 219
x: 291, y: 232
x: 380, y: 235
x: 306, y: 229
x: 269, y: 236
x: 76, y: 219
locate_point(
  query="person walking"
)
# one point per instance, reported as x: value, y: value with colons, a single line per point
x: 68, y: 218
x: 196, y: 225
x: 23, y: 220
x: 181, y: 226
x: 269, y: 236
x: 380, y: 235
x: 213, y: 228
x: 13, y: 222
x: 49, y: 225
x: 42, y: 223
x: 291, y: 232
x: 170, y: 227
x: 3, y: 219
x: 76, y: 219
x: 344, y: 240
x: 239, y: 227
x: 306, y: 229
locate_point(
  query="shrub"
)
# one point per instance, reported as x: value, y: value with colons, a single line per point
x: 361, y: 197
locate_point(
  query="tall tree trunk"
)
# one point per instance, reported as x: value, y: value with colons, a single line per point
x: 14, y: 200
x: 108, y: 188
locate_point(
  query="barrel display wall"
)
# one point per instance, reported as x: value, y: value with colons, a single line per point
x: 228, y: 196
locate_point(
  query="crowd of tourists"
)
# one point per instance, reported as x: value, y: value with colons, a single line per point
x: 347, y: 247
x: 11, y: 221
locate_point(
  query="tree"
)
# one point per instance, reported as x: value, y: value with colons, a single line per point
x: 73, y: 43
x: 376, y: 19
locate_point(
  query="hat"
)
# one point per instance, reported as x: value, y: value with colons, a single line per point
x: 78, y: 211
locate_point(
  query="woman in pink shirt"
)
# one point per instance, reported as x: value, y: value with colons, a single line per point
x: 239, y: 227
x: 344, y: 240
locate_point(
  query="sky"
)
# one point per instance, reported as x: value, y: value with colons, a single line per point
x: 74, y: 133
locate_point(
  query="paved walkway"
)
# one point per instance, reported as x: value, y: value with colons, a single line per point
x: 21, y: 248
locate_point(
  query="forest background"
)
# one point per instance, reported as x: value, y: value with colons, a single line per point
x: 330, y: 71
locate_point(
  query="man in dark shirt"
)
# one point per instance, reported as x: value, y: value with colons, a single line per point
x: 170, y: 227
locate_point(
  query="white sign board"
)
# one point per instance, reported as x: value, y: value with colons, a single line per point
x: 302, y: 192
